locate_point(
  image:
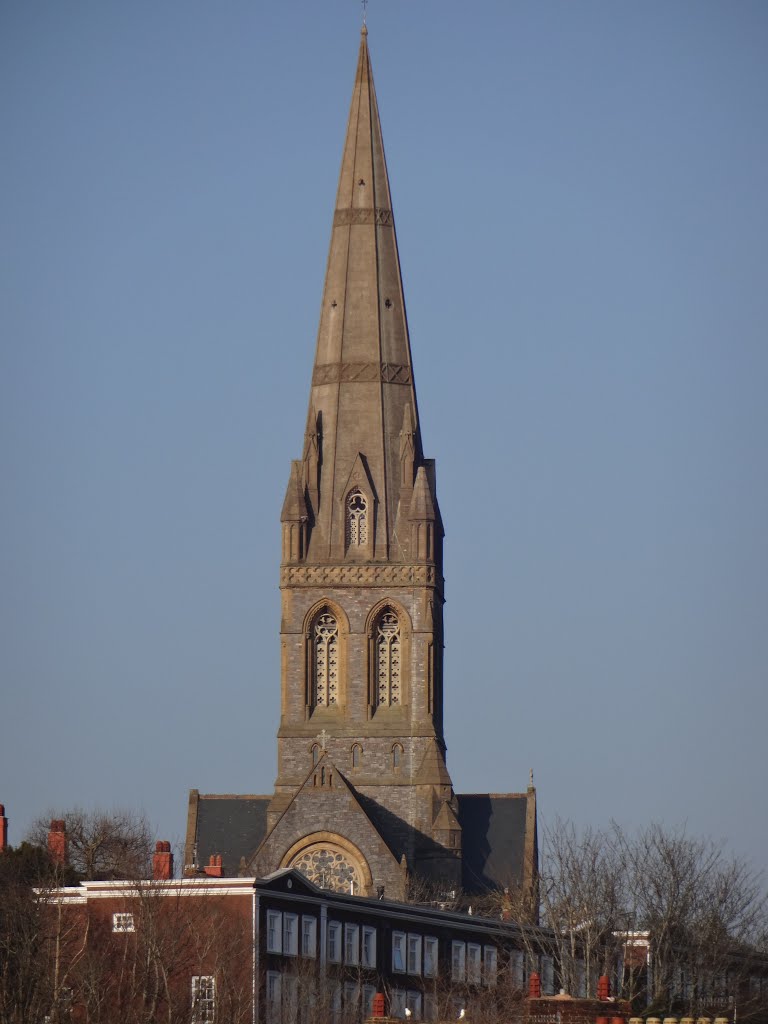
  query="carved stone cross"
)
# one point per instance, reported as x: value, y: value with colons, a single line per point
x: 323, y: 737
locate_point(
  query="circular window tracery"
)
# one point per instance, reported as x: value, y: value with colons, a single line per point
x: 329, y: 867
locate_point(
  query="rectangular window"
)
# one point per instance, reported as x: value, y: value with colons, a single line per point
x: 369, y: 946
x: 414, y: 954
x: 490, y: 965
x: 351, y: 998
x: 474, y: 963
x: 274, y: 931
x: 123, y: 923
x: 273, y: 997
x: 397, y: 1003
x: 581, y: 980
x: 308, y: 936
x: 458, y: 961
x: 517, y: 968
x: 203, y: 999
x: 413, y: 1002
x: 547, y: 976
x: 430, y: 1006
x: 290, y: 934
x: 369, y: 991
x: 351, y: 944
x: 290, y: 998
x: 336, y: 1001
x: 398, y: 952
x: 334, y: 942
x: 430, y: 957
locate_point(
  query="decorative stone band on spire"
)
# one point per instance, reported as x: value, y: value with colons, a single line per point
x: 388, y: 373
x: 362, y: 215
x: 359, y: 575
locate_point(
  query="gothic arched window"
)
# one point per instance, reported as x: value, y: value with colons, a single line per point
x: 388, y: 651
x: 397, y: 757
x: 315, y: 754
x: 356, y: 519
x: 357, y: 755
x: 325, y: 681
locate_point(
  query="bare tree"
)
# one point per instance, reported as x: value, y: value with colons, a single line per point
x: 102, y: 844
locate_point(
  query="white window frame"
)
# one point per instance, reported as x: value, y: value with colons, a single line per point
x: 290, y: 934
x: 414, y: 954
x: 398, y: 952
x: 430, y: 1006
x: 490, y: 965
x: 334, y: 942
x: 431, y: 950
x: 203, y: 998
x: 458, y: 961
x: 474, y: 963
x: 351, y: 998
x: 352, y: 944
x: 368, y: 950
x: 309, y: 936
x: 122, y: 922
x: 274, y: 931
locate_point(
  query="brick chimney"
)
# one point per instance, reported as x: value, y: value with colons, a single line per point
x: 162, y: 861
x: 534, y: 986
x: 3, y: 828
x: 213, y: 867
x: 57, y: 841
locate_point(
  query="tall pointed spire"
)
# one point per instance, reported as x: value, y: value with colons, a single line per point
x: 362, y: 383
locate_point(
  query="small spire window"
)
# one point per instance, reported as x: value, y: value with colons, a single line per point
x: 326, y: 661
x: 357, y: 519
x: 397, y: 757
x: 357, y: 755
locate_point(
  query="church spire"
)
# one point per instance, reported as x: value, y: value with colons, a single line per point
x: 362, y: 383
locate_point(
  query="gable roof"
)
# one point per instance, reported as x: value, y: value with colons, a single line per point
x: 226, y: 824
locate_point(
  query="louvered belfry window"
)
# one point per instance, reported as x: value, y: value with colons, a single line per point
x: 326, y: 667
x: 357, y: 519
x: 388, y: 650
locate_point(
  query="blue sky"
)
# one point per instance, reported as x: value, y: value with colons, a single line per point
x: 580, y: 199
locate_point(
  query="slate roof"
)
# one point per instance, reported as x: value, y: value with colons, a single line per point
x: 230, y: 825
x: 493, y: 839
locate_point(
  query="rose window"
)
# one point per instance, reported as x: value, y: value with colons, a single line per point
x: 329, y: 867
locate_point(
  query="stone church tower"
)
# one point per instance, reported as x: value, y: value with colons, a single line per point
x: 363, y: 798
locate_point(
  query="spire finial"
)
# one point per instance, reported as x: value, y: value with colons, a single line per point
x: 365, y: 11
x: 531, y: 782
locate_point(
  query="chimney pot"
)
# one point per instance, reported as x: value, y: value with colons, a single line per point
x: 162, y: 861
x: 57, y: 841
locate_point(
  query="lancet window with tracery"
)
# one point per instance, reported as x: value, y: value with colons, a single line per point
x: 388, y: 657
x: 326, y: 662
x: 357, y: 519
